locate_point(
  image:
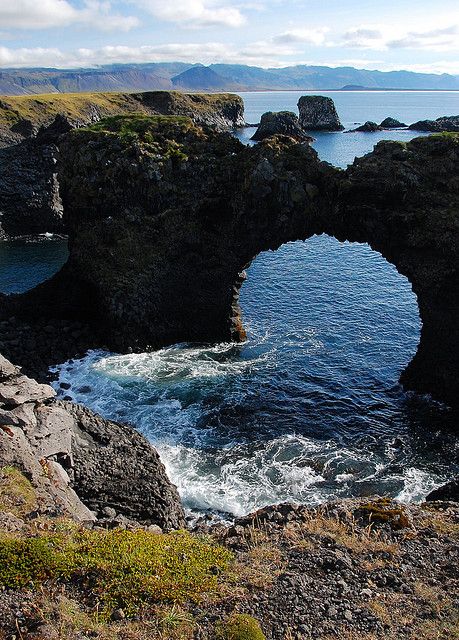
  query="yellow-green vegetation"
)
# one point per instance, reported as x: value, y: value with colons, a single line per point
x: 239, y: 626
x: 69, y: 620
x: 383, y: 511
x: 122, y: 569
x: 17, y: 496
x: 42, y: 108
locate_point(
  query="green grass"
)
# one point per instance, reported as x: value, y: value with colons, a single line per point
x: 17, y: 496
x: 42, y: 108
x: 122, y: 569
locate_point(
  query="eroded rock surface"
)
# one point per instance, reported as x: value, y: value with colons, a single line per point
x: 163, y: 226
x: 318, y: 113
x: 79, y: 463
x: 281, y: 122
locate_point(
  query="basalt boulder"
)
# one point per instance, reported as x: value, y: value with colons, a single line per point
x: 164, y: 217
x: 449, y: 492
x: 318, y: 113
x: 281, y: 122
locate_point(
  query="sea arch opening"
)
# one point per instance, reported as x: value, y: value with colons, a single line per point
x: 338, y: 314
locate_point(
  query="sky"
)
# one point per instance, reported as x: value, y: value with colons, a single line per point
x: 421, y: 35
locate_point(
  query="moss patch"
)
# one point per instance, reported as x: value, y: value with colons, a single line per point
x: 122, y: 569
x: 239, y: 626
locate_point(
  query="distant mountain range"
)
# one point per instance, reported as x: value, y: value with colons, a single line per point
x: 216, y: 77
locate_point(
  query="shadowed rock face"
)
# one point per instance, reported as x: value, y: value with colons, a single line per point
x: 318, y: 113
x: 281, y: 122
x: 162, y: 226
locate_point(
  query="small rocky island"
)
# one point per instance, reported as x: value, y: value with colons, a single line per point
x: 318, y: 113
x: 164, y: 212
x: 284, y: 123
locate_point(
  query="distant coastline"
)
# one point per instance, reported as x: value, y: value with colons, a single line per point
x: 186, y: 77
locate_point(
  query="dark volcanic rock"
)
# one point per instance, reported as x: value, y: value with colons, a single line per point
x: 160, y: 233
x: 114, y: 466
x: 318, y: 113
x: 391, y: 123
x: 29, y: 190
x: 78, y: 461
x: 446, y: 123
x: 281, y: 122
x: 448, y: 492
x: 51, y: 134
x: 368, y: 127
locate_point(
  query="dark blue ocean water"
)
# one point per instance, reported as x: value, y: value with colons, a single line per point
x: 24, y: 264
x: 309, y: 408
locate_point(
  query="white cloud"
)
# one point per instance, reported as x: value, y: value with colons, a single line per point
x: 383, y: 37
x: 194, y: 13
x: 435, y: 39
x: 307, y: 36
x: 44, y: 14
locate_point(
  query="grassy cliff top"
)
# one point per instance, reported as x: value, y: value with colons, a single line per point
x: 84, y: 108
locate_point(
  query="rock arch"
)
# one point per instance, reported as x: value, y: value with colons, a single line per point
x: 163, y: 222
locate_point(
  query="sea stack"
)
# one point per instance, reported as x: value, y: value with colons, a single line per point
x: 281, y: 122
x: 318, y: 113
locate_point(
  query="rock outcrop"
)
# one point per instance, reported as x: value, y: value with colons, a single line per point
x: 392, y: 123
x: 80, y: 464
x: 368, y: 127
x: 318, y: 113
x: 446, y: 123
x: 283, y: 123
x: 164, y: 221
x: 449, y: 492
x: 30, y: 128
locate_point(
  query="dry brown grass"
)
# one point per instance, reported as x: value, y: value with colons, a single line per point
x: 429, y: 615
x: 69, y: 620
x: 310, y: 534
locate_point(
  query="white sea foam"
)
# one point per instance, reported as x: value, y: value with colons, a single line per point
x: 304, y: 411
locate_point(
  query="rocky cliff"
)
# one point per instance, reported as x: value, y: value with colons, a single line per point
x: 30, y: 128
x: 79, y: 464
x: 164, y: 216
